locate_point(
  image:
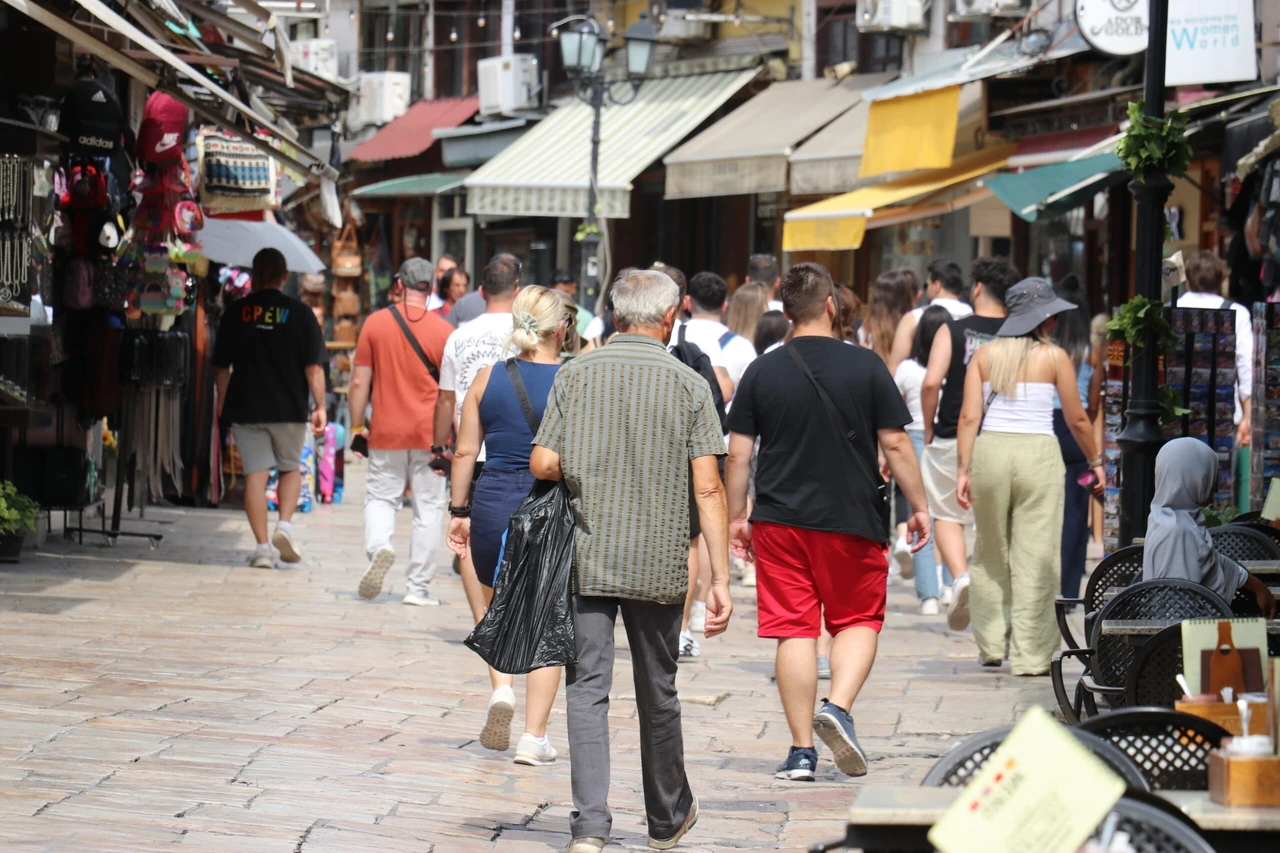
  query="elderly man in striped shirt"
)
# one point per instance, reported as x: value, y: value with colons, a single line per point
x: 626, y: 426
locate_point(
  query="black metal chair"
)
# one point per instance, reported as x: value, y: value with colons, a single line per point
x: 1260, y: 527
x: 1119, y: 569
x: 1253, y: 515
x: 1241, y: 543
x: 1110, y: 655
x: 966, y: 758
x: 1154, y: 830
x: 1170, y: 747
x: 1150, y: 682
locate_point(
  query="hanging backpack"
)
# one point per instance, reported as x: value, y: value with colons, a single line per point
x: 163, y: 130
x: 92, y: 120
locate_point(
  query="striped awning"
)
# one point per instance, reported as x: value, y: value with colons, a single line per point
x: 546, y: 171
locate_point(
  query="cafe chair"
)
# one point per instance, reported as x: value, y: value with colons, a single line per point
x: 959, y: 765
x: 1110, y: 654
x: 1118, y: 569
x: 1260, y: 527
x: 1250, y: 517
x: 1154, y: 830
x: 1242, y: 543
x: 1171, y: 748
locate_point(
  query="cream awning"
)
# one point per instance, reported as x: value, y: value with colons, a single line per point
x: 747, y: 150
x: 546, y: 172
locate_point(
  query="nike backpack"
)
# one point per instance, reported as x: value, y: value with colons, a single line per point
x: 92, y: 120
x: 162, y: 136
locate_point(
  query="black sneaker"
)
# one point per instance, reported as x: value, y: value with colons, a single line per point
x: 800, y: 764
x: 834, y: 725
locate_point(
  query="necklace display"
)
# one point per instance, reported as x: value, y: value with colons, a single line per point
x: 17, y: 177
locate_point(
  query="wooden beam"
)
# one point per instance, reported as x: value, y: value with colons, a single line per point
x: 196, y: 59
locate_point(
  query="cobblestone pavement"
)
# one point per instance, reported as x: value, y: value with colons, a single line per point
x: 177, y: 697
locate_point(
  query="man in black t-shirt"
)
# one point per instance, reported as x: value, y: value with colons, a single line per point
x: 270, y: 358
x: 817, y: 534
x: 953, y: 347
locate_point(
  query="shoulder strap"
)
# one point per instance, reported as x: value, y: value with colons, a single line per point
x: 836, y: 416
x: 726, y: 337
x: 413, y: 342
x: 684, y: 327
x: 522, y: 394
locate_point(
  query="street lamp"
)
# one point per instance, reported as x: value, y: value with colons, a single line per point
x: 583, y: 43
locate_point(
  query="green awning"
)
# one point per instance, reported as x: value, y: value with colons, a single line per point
x: 414, y: 185
x: 1030, y: 192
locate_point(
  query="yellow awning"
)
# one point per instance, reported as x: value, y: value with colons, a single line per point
x: 911, y: 132
x: 840, y: 222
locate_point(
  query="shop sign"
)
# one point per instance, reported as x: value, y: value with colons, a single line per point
x: 1208, y: 41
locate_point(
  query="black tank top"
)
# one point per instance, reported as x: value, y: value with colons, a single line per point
x: 967, y: 335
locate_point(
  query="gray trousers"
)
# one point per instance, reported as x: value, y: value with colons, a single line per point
x: 653, y: 632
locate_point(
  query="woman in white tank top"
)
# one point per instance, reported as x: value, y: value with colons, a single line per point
x: 1012, y: 474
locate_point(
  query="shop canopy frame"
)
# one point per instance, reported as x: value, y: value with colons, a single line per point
x: 412, y: 186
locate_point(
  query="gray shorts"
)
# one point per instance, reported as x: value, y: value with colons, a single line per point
x: 266, y: 446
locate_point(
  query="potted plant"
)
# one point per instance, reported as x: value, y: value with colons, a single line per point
x: 18, y: 514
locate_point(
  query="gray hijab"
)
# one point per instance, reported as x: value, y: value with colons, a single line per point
x: 1178, y: 544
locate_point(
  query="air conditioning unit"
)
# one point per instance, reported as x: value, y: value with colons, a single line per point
x: 678, y: 28
x: 879, y: 16
x: 970, y: 10
x: 1010, y: 8
x: 384, y: 96
x: 508, y: 83
x: 319, y: 56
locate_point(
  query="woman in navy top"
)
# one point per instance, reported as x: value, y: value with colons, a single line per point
x: 492, y: 415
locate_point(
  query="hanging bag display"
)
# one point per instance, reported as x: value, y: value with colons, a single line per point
x: 91, y: 119
x: 347, y: 261
x: 163, y: 129
x: 235, y: 175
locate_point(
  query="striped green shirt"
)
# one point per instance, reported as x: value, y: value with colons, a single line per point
x: 626, y: 420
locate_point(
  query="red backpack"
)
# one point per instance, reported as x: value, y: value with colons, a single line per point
x: 162, y: 136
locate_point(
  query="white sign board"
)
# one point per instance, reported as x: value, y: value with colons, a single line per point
x: 1209, y: 41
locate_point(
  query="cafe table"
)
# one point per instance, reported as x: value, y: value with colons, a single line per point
x: 886, y: 819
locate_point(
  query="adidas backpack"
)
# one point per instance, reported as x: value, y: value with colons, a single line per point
x: 92, y: 120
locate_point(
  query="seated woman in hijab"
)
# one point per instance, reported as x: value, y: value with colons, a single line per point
x: 1178, y: 544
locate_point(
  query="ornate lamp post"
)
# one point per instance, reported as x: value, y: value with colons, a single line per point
x: 583, y: 42
x: 1141, y: 438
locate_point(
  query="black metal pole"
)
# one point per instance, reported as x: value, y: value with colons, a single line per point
x: 1141, y: 438
x: 591, y: 240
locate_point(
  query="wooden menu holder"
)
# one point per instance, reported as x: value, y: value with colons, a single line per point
x: 1228, y: 716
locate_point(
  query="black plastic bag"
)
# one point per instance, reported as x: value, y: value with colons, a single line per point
x: 529, y: 624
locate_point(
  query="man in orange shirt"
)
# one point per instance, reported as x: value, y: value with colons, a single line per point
x: 398, y: 355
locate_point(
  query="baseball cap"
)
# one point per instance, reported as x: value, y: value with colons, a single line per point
x: 417, y: 274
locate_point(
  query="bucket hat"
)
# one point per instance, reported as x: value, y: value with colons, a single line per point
x: 1030, y: 302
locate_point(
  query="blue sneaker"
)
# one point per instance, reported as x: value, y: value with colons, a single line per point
x: 834, y: 725
x: 799, y: 766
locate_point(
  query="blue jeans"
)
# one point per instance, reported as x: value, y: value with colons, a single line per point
x: 925, y: 561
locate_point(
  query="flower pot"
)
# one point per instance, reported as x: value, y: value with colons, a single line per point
x: 11, y: 548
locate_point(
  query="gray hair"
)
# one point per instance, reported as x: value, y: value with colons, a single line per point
x: 643, y: 298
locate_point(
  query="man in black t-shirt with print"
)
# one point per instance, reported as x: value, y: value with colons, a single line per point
x: 817, y: 534
x: 270, y: 358
x: 953, y: 347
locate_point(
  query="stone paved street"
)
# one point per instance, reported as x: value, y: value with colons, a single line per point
x: 177, y: 697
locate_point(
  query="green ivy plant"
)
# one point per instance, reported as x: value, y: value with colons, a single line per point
x: 583, y: 230
x: 1154, y: 144
x: 18, y: 513
x: 1216, y: 515
x: 1137, y: 321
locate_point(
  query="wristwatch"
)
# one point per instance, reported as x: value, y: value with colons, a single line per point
x: 460, y: 511
x: 437, y: 449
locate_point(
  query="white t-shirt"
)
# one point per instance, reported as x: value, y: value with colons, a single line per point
x: 474, y: 346
x: 734, y: 356
x: 909, y: 377
x: 594, y: 329
x: 1244, y: 341
x: 775, y: 304
x: 434, y: 301
x: 955, y: 308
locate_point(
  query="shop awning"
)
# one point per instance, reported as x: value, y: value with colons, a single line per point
x: 747, y: 150
x: 546, y: 171
x: 1048, y: 148
x: 234, y: 242
x: 841, y: 222
x: 1026, y: 193
x: 829, y: 162
x: 411, y: 134
x: 412, y: 186
x: 912, y: 132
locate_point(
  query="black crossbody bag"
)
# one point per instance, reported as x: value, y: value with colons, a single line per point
x: 883, y: 506
x: 413, y: 342
x: 522, y: 394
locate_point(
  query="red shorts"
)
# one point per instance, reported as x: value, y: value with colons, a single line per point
x: 804, y: 577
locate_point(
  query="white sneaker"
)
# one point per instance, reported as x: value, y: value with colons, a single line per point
x: 689, y: 647
x: 420, y: 599
x: 371, y: 583
x: 698, y: 617
x: 749, y: 576
x: 534, y: 752
x: 496, y: 734
x: 958, y: 610
x: 263, y: 558
x: 929, y: 607
x: 945, y: 598
x: 588, y: 844
x: 283, y: 540
x: 902, y: 556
